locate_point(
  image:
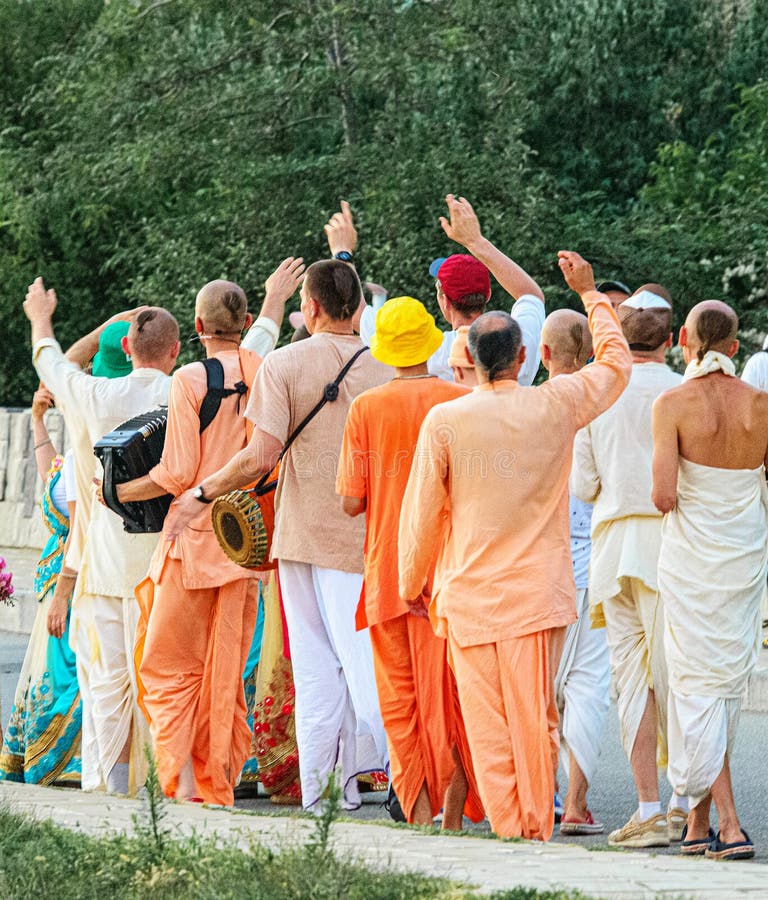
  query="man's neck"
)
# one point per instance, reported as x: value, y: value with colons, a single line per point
x: 561, y: 369
x: 458, y: 319
x: 650, y: 356
x: 333, y: 326
x: 216, y: 345
x: 411, y: 371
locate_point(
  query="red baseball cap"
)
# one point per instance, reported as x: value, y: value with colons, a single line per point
x: 461, y: 275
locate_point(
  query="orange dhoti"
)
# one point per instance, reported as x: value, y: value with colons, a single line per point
x: 191, y: 651
x: 510, y: 714
x: 421, y: 713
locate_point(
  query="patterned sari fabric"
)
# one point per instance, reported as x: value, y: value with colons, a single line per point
x: 274, y: 726
x: 249, y: 777
x: 42, y: 742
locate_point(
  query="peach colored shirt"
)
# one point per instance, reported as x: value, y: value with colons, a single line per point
x: 493, y: 466
x: 189, y: 457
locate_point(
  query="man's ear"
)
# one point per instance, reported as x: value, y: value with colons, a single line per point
x: 124, y: 345
x: 682, y: 338
x: 458, y: 374
x: 248, y: 322
x: 199, y: 327
x: 521, y: 354
x: 176, y: 350
x: 669, y: 341
x: 733, y: 349
x: 546, y: 352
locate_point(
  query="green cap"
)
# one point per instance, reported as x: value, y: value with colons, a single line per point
x: 111, y: 361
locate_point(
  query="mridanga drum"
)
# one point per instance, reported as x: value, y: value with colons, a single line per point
x: 243, y: 522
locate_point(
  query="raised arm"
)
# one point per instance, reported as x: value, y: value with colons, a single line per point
x: 462, y: 226
x: 44, y: 450
x: 281, y: 285
x: 597, y: 386
x: 665, y: 454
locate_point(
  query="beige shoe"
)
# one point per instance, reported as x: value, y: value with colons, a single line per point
x: 651, y: 832
x: 677, y: 819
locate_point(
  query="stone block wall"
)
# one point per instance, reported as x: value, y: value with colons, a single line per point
x: 20, y: 486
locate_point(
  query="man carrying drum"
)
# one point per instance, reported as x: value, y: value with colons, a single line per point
x: 319, y: 549
x: 198, y: 609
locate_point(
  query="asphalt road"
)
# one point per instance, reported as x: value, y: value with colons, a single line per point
x: 612, y: 798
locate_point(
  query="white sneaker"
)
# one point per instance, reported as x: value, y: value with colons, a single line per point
x: 653, y: 832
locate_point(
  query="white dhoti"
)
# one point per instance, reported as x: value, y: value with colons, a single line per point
x: 338, y: 720
x: 712, y: 575
x: 623, y: 580
x: 581, y: 688
x: 104, y: 630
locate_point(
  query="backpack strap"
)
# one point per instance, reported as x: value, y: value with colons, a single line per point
x: 330, y: 394
x: 216, y: 392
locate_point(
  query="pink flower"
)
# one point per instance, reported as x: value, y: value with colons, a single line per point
x: 6, y: 584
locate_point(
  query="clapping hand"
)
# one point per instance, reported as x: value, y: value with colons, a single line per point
x: 576, y: 271
x: 462, y: 224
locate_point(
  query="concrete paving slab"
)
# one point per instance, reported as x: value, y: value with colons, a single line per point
x: 485, y: 864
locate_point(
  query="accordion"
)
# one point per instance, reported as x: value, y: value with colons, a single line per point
x: 129, y: 452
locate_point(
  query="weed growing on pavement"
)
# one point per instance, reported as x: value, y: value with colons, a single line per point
x: 148, y: 824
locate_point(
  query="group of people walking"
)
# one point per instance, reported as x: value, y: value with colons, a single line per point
x: 461, y: 559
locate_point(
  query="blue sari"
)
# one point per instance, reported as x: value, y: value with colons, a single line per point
x: 42, y: 742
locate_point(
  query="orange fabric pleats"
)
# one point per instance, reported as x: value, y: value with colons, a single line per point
x: 192, y: 647
x: 421, y: 713
x: 508, y: 702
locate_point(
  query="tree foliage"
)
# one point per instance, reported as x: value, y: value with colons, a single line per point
x: 148, y: 146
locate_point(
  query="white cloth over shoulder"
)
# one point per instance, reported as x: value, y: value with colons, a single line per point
x: 712, y: 361
x: 712, y: 577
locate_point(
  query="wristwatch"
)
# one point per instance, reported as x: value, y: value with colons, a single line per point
x: 344, y: 256
x: 199, y: 495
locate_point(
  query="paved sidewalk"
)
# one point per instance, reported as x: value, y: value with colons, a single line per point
x: 485, y: 864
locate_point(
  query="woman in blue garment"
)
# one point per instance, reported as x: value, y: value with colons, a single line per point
x: 42, y: 742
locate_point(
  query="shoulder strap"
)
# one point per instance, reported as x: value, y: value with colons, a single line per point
x: 330, y: 394
x: 216, y: 392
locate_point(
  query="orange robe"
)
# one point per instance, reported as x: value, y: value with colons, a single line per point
x: 495, y: 463
x: 416, y: 688
x: 198, y: 609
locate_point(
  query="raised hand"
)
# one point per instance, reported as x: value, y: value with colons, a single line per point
x: 39, y: 303
x: 127, y: 315
x: 576, y: 271
x: 340, y: 230
x: 42, y: 401
x: 285, y: 280
x: 462, y: 224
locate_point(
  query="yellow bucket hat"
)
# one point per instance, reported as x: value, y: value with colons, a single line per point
x: 406, y: 334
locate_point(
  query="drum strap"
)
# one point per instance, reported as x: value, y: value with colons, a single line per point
x: 330, y: 394
x: 216, y: 392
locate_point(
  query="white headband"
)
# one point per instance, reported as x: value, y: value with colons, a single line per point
x: 646, y: 300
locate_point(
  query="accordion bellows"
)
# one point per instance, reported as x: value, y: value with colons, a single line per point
x: 129, y: 452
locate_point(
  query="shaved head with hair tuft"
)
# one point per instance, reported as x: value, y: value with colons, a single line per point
x: 711, y: 325
x: 152, y: 335
x: 222, y: 307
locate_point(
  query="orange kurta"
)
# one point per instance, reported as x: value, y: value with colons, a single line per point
x: 198, y: 609
x: 498, y: 461
x: 417, y: 692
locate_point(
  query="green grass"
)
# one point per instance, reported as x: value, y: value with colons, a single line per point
x: 39, y: 860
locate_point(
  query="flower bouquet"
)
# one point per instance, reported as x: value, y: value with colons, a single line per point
x: 6, y: 584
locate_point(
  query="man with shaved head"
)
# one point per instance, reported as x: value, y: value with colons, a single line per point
x: 112, y: 562
x: 710, y: 451
x: 583, y: 675
x: 487, y: 498
x: 612, y: 470
x: 198, y: 608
